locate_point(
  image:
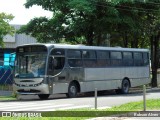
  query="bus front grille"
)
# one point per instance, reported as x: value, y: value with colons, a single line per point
x: 30, y: 91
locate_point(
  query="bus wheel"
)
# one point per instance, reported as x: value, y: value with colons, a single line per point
x: 43, y: 96
x: 125, y: 86
x: 72, y: 90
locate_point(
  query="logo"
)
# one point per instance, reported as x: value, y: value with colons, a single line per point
x: 6, y: 114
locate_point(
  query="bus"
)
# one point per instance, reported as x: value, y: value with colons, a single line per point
x: 46, y: 69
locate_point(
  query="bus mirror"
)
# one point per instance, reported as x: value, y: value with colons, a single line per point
x: 16, y: 75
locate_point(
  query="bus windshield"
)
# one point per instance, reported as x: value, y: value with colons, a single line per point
x: 30, y: 65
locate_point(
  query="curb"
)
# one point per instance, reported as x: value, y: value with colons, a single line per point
x: 5, y: 93
x: 147, y: 90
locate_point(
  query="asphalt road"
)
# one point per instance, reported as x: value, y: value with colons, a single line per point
x: 61, y: 102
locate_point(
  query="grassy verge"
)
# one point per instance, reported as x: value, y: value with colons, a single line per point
x: 6, y: 87
x: 80, y: 114
x: 7, y: 98
x: 152, y: 104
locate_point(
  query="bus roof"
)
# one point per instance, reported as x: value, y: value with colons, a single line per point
x: 68, y: 46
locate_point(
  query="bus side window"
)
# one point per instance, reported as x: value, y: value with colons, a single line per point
x: 128, y: 59
x: 74, y: 58
x: 103, y: 58
x: 116, y: 58
x: 89, y: 58
x: 138, y: 59
x: 145, y: 59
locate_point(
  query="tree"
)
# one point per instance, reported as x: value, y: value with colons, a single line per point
x: 155, y: 55
x: 5, y: 28
x: 152, y: 31
x: 73, y: 19
x: 91, y: 20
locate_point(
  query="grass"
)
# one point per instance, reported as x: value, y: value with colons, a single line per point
x: 152, y: 104
x: 7, y: 98
x: 80, y: 114
x: 6, y: 87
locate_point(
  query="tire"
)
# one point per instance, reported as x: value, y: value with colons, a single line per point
x: 72, y: 90
x: 43, y: 96
x: 125, y: 86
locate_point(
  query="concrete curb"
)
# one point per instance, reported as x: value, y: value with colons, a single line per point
x: 5, y: 93
x: 147, y: 89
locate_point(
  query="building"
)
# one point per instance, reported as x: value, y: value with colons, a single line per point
x: 11, y: 42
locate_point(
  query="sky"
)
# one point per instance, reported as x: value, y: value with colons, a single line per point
x: 21, y: 14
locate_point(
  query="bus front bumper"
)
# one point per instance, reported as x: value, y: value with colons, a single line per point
x: 35, y: 90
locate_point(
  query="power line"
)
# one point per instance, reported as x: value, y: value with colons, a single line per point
x: 127, y: 8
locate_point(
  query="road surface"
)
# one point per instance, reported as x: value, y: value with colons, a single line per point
x: 60, y: 102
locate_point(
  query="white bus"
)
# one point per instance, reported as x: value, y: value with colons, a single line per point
x: 45, y: 69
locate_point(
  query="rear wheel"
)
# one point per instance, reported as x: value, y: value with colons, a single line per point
x: 43, y: 96
x: 72, y: 90
x: 125, y: 87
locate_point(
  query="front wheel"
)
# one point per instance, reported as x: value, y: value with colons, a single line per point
x: 43, y: 96
x: 72, y: 90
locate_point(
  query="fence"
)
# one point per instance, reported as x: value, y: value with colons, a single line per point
x: 6, y: 77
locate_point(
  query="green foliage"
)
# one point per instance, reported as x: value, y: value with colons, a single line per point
x: 82, y: 5
x: 129, y: 22
x: 5, y: 28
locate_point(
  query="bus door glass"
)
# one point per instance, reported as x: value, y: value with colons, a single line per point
x: 56, y: 61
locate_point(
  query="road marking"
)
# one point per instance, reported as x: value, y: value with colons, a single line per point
x: 67, y: 108
x: 75, y: 107
x: 39, y: 107
x: 15, y: 106
x: 43, y: 108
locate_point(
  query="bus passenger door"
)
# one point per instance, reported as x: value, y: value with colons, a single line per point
x: 55, y: 71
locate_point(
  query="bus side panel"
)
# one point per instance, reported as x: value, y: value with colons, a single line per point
x: 143, y: 76
x: 100, y: 78
x: 100, y: 85
x: 138, y: 75
x: 141, y: 81
x: 111, y: 78
x: 60, y: 88
x: 94, y: 74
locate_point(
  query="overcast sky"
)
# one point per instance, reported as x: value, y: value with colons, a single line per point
x: 20, y: 13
